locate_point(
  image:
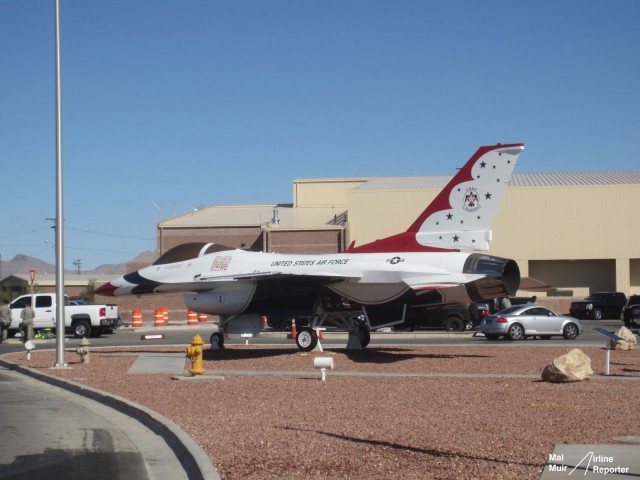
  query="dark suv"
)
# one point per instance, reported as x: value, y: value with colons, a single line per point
x: 631, y: 312
x: 453, y: 317
x: 599, y: 305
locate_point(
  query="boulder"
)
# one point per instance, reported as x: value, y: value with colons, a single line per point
x: 628, y: 340
x: 573, y: 366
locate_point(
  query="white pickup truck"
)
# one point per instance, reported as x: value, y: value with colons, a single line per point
x: 81, y: 320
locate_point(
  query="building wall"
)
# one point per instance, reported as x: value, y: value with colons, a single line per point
x: 323, y: 191
x: 234, y: 237
x: 300, y: 241
x: 375, y: 214
x: 568, y: 222
x: 579, y: 276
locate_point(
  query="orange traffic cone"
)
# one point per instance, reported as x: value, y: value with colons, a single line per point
x: 136, y: 317
x: 294, y: 331
x: 158, y: 318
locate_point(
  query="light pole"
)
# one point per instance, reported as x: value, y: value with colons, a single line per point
x: 59, y: 216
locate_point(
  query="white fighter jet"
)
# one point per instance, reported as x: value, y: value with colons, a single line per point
x: 383, y: 283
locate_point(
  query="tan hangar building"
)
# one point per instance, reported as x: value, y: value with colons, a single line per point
x: 576, y: 231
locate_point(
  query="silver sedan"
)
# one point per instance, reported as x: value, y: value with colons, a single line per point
x: 530, y: 320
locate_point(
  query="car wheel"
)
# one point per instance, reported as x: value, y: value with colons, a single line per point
x: 454, y: 324
x: 515, y: 332
x: 570, y: 331
x: 491, y: 336
x: 81, y: 329
x: 597, y: 314
x: 307, y: 339
x: 217, y: 341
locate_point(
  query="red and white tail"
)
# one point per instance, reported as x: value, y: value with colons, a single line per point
x: 460, y: 217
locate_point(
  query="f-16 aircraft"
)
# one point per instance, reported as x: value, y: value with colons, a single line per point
x: 379, y: 284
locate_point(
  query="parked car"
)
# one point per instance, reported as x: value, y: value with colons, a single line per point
x: 530, y: 320
x: 599, y: 305
x: 631, y: 312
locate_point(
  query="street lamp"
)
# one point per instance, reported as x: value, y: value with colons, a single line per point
x: 60, y: 363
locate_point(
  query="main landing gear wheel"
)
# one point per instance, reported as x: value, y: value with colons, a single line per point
x: 307, y: 339
x: 217, y: 341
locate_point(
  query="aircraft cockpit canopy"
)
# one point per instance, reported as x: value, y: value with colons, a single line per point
x: 187, y: 251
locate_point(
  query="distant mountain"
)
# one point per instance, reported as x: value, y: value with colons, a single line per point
x: 21, y: 264
x: 109, y: 269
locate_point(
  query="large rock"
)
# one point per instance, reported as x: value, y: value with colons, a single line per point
x: 574, y: 366
x: 628, y: 340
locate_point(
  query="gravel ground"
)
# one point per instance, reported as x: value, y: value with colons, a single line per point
x: 449, y: 427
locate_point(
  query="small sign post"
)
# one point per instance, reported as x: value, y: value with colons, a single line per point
x: 32, y: 275
x: 611, y: 336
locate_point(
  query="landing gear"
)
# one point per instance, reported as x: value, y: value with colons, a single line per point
x: 217, y: 341
x: 307, y: 339
x: 363, y: 335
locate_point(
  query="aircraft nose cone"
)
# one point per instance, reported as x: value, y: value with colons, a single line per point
x: 106, y: 289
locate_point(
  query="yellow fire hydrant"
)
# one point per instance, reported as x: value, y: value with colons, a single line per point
x: 83, y: 350
x: 194, y: 352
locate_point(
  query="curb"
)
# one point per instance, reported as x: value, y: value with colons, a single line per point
x: 194, y: 460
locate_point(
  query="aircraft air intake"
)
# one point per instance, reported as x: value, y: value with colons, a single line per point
x: 502, y: 277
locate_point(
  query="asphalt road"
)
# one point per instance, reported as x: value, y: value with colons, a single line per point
x: 49, y: 433
x: 177, y: 333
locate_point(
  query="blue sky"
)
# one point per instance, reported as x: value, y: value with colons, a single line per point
x: 226, y: 102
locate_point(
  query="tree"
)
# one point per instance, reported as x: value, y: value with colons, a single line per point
x: 87, y: 293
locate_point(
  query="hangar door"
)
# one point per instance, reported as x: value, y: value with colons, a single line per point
x: 581, y: 276
x: 634, y: 270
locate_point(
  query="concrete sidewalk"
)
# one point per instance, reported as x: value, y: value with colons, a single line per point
x: 167, y: 451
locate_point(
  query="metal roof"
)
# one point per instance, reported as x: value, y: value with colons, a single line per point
x: 631, y: 177
x: 299, y: 218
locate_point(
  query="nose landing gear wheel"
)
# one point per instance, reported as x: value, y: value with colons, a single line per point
x: 217, y: 341
x: 363, y: 335
x: 307, y: 339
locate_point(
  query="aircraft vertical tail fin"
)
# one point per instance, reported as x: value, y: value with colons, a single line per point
x: 460, y: 216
